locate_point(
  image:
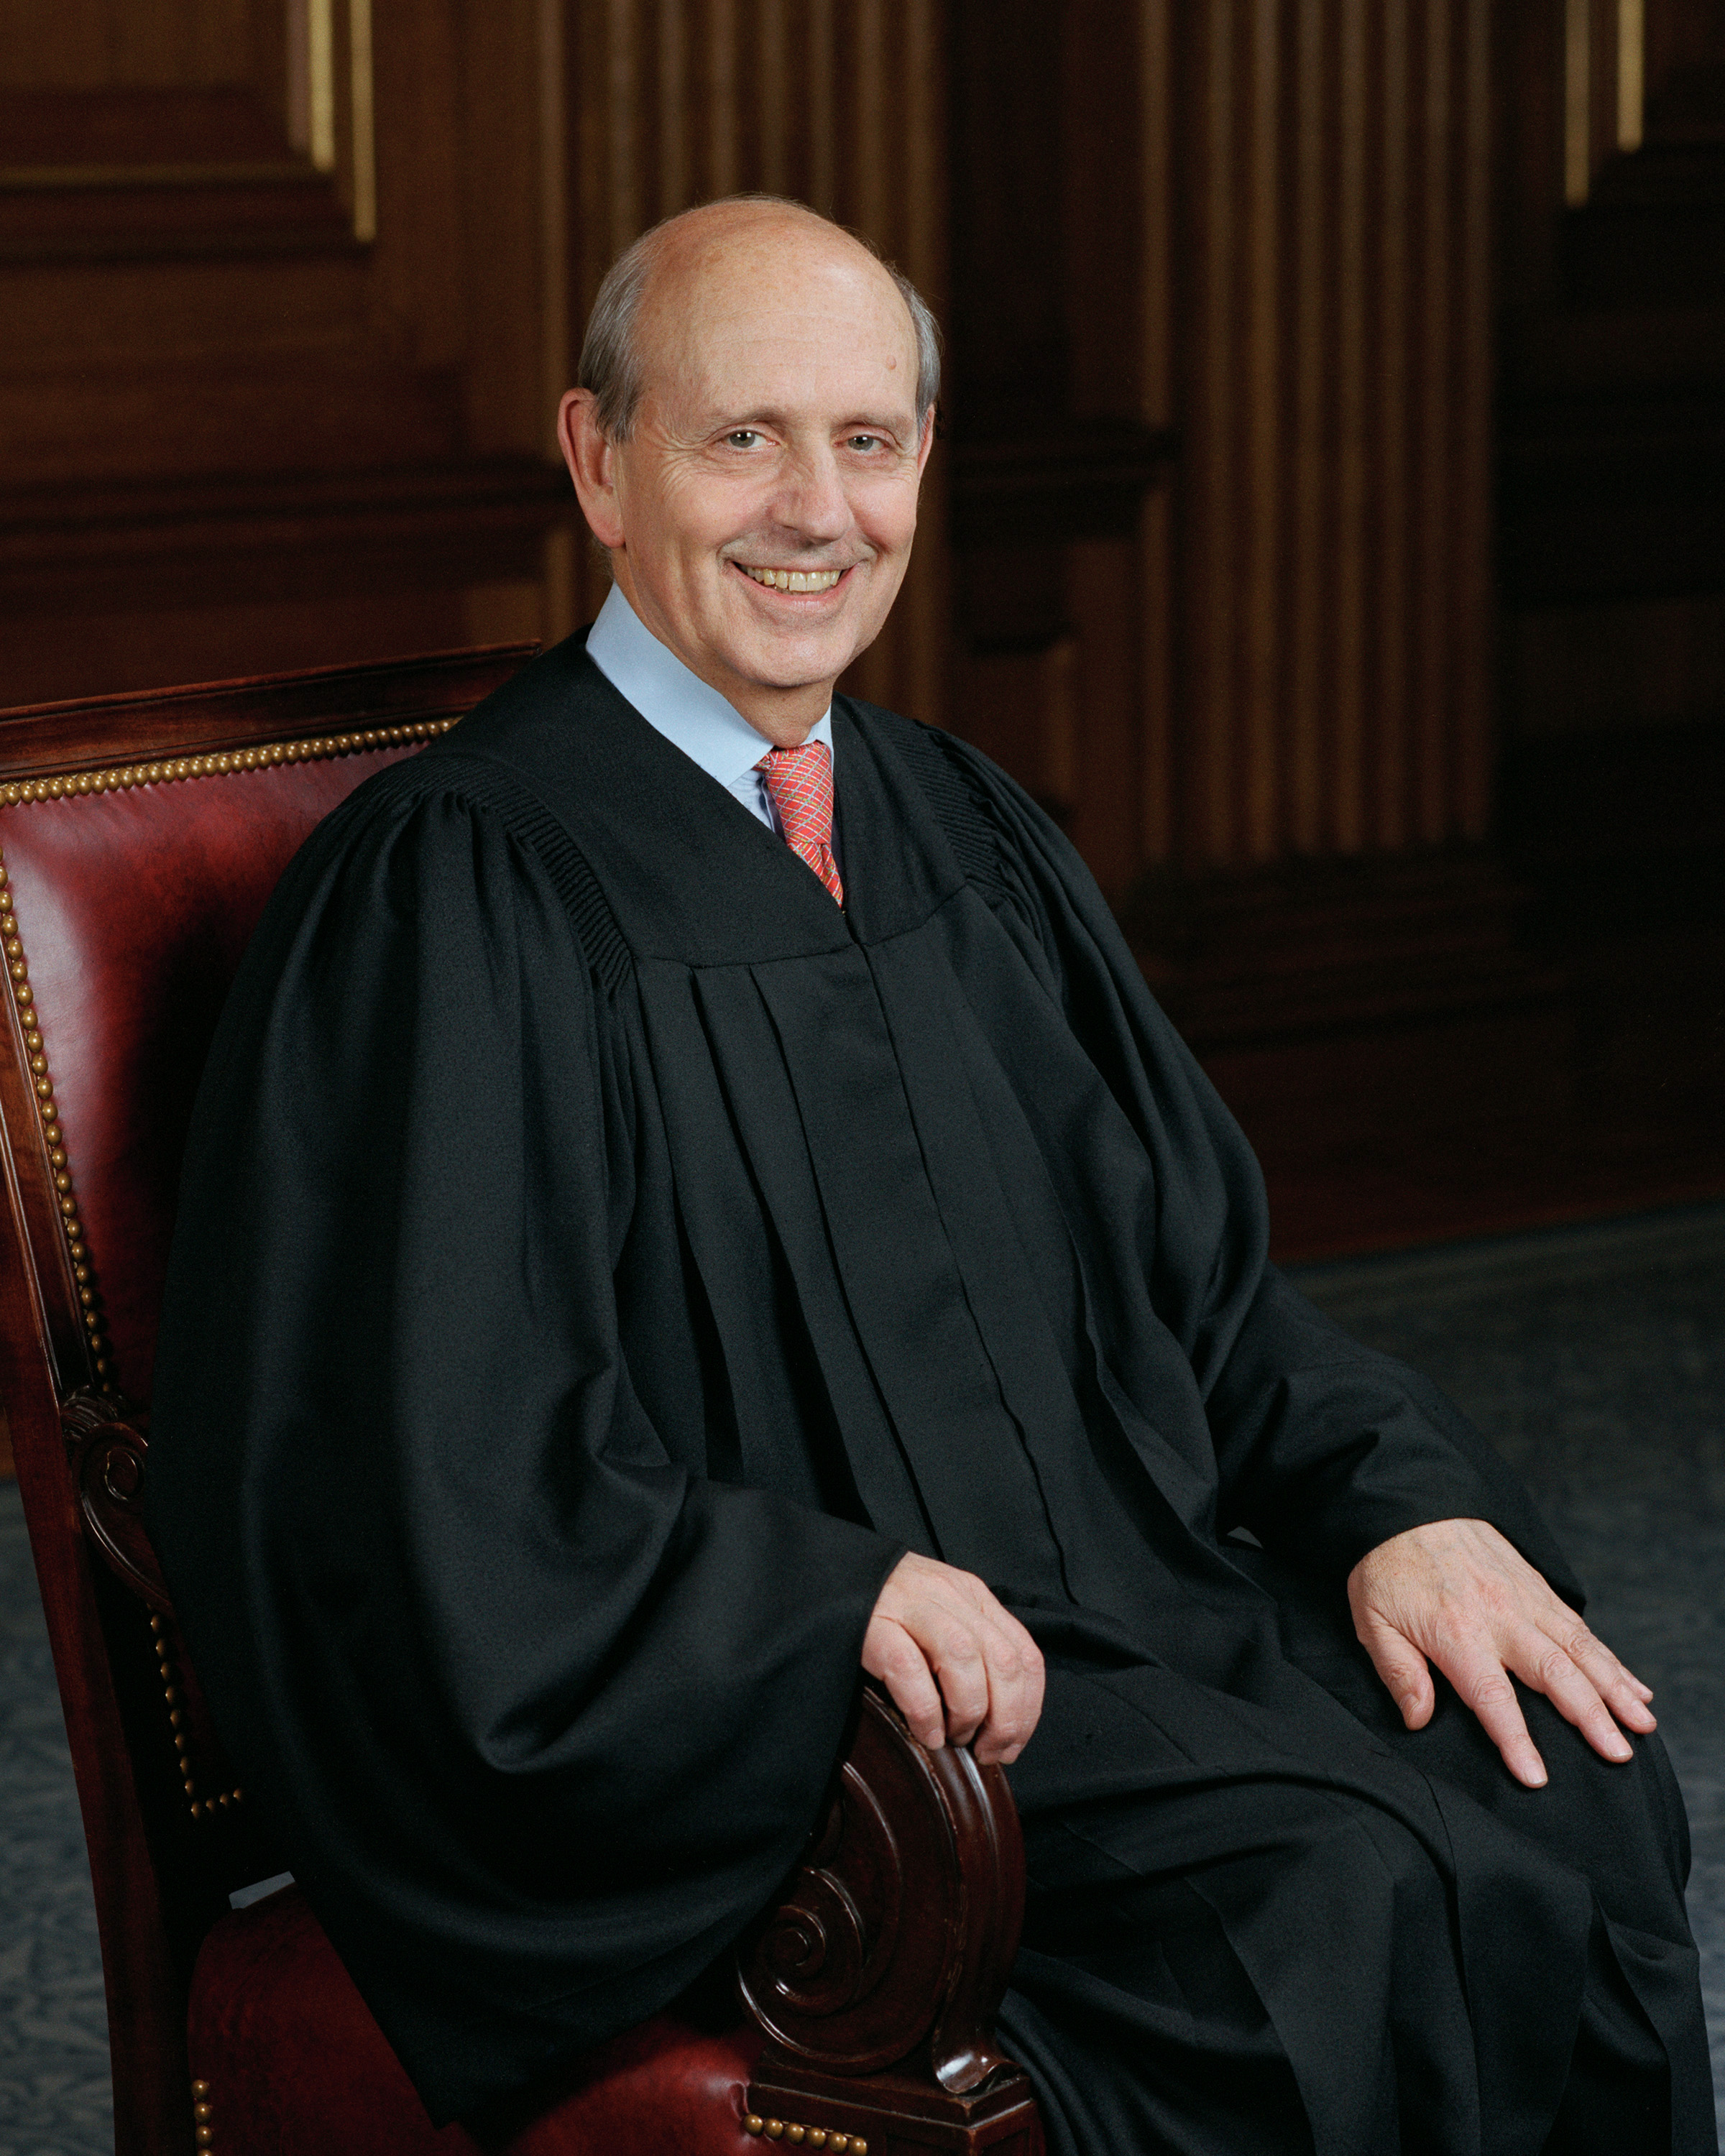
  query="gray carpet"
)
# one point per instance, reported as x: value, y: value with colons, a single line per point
x: 1594, y: 1357
x: 54, y: 2099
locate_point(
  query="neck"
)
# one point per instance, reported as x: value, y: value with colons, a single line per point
x: 783, y: 716
x: 784, y: 729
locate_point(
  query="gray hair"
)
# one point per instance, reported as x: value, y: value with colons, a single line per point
x: 611, y: 366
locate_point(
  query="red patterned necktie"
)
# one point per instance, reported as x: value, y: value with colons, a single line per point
x: 800, y: 781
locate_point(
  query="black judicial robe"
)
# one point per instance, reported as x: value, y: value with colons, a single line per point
x: 599, y: 1257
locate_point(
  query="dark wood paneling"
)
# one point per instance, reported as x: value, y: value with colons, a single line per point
x: 281, y: 360
x: 1061, y: 444
x: 1334, y: 488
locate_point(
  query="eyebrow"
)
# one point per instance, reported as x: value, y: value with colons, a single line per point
x: 857, y: 424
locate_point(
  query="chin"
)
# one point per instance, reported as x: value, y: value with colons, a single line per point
x: 799, y: 668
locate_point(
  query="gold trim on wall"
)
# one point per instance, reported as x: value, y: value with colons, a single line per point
x: 1631, y: 73
x: 320, y: 31
x: 1578, y: 101
x: 1604, y: 88
x: 365, y: 157
x: 311, y: 121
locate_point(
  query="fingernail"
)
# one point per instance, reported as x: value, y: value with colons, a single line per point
x: 1622, y: 1749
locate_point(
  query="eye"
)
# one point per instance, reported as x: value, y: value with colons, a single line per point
x: 742, y: 438
x: 864, y: 443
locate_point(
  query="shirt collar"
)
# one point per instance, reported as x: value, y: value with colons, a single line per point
x: 691, y: 714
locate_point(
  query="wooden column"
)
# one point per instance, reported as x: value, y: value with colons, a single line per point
x: 1332, y: 308
x: 676, y: 101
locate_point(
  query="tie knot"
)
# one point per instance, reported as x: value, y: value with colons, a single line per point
x: 800, y: 781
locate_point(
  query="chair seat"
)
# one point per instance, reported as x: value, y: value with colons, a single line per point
x: 295, y: 2063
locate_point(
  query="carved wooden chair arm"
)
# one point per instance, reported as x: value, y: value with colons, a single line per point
x: 876, y: 1977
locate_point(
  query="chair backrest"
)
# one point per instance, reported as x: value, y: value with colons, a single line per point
x: 140, y: 837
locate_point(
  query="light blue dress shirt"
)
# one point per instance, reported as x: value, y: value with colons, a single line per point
x: 691, y: 716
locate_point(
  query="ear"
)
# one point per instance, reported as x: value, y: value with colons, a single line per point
x: 926, y: 444
x: 591, y: 459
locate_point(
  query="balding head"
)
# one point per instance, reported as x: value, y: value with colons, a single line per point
x: 755, y: 483
x: 664, y: 271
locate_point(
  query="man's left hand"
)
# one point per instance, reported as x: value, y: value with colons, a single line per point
x: 1458, y: 1594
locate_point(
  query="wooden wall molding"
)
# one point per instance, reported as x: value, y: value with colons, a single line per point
x: 1302, y: 950
x: 62, y: 550
x: 286, y: 326
x: 1063, y: 437
x: 106, y: 170
x: 1076, y: 480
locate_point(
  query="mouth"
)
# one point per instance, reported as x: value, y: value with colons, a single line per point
x: 806, y: 583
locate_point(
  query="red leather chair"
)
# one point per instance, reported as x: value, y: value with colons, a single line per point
x: 139, y: 838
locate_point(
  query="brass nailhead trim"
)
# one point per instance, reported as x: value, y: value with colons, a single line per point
x: 48, y: 1117
x: 121, y: 777
x: 805, y: 2137
x: 203, y: 2112
x: 201, y: 1808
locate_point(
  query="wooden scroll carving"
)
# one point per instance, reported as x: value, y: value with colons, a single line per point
x: 108, y: 1457
x: 876, y: 1976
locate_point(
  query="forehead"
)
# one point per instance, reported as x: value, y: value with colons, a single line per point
x: 776, y: 317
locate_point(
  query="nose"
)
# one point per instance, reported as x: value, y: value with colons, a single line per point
x: 812, y: 500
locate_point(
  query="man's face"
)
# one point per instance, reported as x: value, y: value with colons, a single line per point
x: 766, y: 498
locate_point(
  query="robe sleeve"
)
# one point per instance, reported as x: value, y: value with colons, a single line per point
x: 1324, y: 1448
x: 542, y: 1718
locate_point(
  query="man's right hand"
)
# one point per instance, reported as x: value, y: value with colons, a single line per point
x: 956, y: 1663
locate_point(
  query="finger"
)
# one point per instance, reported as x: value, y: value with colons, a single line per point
x: 980, y: 1659
x: 1015, y: 1681
x: 954, y: 1649
x: 1011, y: 1668
x: 1622, y: 1690
x: 1401, y: 1665
x: 1482, y: 1684
x: 1015, y: 1692
x: 891, y: 1654
x: 1541, y: 1663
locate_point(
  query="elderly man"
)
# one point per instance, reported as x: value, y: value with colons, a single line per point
x: 692, y: 1199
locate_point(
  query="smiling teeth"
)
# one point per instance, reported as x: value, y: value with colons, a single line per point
x: 794, y: 580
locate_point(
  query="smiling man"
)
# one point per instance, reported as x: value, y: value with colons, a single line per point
x: 757, y: 489
x: 692, y: 1200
